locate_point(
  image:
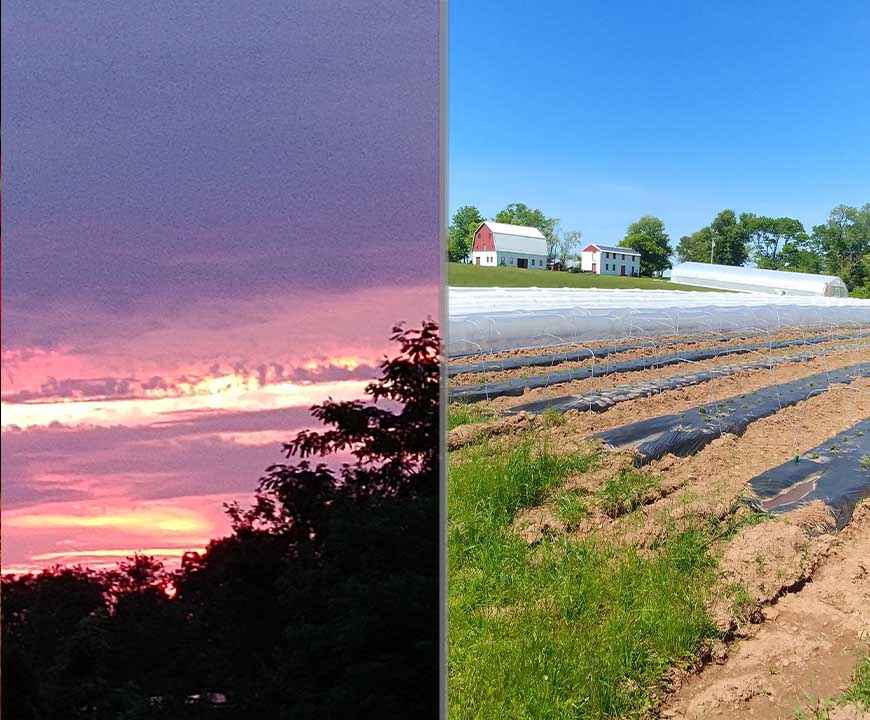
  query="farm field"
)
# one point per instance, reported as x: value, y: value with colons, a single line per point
x: 466, y: 275
x: 662, y: 536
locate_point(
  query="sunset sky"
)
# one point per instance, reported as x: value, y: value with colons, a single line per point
x: 191, y: 252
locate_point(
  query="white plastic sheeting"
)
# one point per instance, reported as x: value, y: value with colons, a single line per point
x: 492, y: 319
x: 756, y: 280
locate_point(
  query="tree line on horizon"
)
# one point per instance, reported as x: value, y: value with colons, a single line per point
x: 321, y: 603
x: 840, y: 246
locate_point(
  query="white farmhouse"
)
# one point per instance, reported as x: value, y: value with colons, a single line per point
x: 610, y: 260
x: 509, y: 245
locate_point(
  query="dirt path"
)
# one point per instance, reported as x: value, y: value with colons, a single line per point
x: 805, y: 649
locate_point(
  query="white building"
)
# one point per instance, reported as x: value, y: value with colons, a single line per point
x: 509, y: 245
x: 756, y: 280
x: 610, y: 260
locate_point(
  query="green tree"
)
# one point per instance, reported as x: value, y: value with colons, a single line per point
x: 460, y: 234
x: 695, y: 247
x: 520, y: 214
x: 730, y: 239
x: 725, y: 236
x: 844, y: 243
x: 649, y: 238
x: 768, y: 237
x: 567, y: 247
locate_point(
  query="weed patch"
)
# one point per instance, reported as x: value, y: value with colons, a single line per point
x: 859, y: 692
x: 466, y: 413
x: 625, y: 491
x: 571, y: 507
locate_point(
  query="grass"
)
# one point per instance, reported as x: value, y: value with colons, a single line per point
x: 563, y: 628
x: 625, y: 491
x: 571, y: 507
x: 553, y: 418
x: 465, y: 275
x: 859, y: 692
x: 464, y: 413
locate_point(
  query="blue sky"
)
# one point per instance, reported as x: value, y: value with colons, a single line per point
x: 599, y: 113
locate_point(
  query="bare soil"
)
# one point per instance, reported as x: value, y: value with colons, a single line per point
x: 811, y: 636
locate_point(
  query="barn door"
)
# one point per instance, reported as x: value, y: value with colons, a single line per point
x: 477, y: 260
x: 622, y: 270
x: 523, y: 263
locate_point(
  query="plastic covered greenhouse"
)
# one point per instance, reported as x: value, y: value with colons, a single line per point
x: 756, y: 280
x: 492, y: 319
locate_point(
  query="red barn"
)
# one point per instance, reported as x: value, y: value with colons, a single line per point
x: 509, y: 245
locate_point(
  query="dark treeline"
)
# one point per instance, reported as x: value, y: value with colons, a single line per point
x: 322, y: 603
x: 840, y: 246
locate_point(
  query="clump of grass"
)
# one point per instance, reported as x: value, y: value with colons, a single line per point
x: 865, y: 462
x: 859, y: 433
x: 859, y: 692
x: 625, y: 491
x: 742, y: 604
x: 571, y: 508
x: 553, y: 418
x: 834, y: 447
x: 462, y: 413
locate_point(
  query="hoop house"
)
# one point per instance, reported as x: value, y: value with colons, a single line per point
x: 756, y: 280
x: 492, y: 319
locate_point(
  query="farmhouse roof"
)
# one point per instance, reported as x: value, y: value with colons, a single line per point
x: 611, y: 248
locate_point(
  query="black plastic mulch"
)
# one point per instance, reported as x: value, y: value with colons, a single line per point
x: 837, y: 473
x: 686, y: 433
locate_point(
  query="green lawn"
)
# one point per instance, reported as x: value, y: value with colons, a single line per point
x: 462, y: 275
x: 565, y: 629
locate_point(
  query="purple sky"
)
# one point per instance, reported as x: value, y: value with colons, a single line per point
x: 213, y: 215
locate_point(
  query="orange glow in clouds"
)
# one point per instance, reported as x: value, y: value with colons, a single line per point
x: 223, y: 393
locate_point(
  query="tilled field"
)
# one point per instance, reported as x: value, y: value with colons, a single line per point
x: 783, y: 600
x: 518, y: 382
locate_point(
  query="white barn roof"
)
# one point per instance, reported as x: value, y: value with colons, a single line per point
x: 611, y: 248
x: 756, y: 280
x: 517, y: 238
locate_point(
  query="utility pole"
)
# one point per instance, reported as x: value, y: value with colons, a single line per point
x: 712, y: 247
